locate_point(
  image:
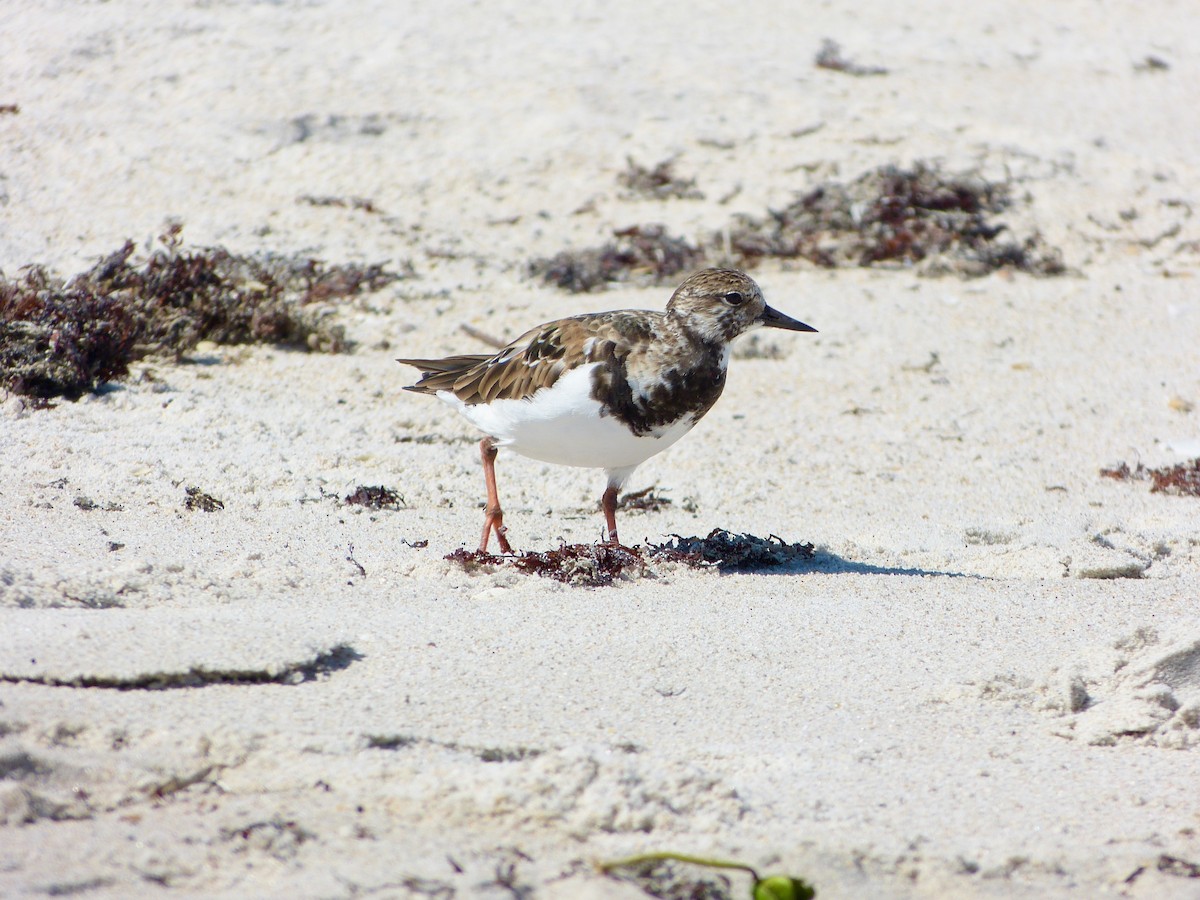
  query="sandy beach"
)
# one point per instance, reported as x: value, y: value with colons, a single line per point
x: 985, y: 682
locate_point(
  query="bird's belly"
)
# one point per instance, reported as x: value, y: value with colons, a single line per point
x: 562, y: 424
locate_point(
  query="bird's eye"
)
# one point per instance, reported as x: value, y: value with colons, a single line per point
x: 734, y: 298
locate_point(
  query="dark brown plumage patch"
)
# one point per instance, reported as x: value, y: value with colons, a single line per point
x: 679, y: 391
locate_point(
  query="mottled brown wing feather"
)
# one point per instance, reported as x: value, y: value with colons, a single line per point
x: 533, y: 361
x: 440, y: 374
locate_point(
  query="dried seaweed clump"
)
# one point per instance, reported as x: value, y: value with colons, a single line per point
x: 65, y: 337
x: 378, y: 497
x: 600, y: 565
x: 645, y: 500
x: 893, y: 215
x: 61, y: 340
x: 830, y: 57
x: 731, y: 552
x: 642, y: 251
x: 584, y: 565
x: 196, y: 499
x: 659, y: 183
x: 1181, y: 479
x: 940, y: 223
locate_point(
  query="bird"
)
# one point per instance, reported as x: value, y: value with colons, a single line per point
x: 603, y: 390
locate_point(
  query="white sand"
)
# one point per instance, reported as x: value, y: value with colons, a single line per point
x: 957, y: 699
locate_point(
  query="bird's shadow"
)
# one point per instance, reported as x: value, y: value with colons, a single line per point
x: 829, y: 563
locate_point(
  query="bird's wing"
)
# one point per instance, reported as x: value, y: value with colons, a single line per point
x: 533, y: 361
x: 439, y: 374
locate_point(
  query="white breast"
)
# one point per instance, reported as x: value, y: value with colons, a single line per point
x: 562, y: 424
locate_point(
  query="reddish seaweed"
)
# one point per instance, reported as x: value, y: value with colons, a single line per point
x: 600, y: 565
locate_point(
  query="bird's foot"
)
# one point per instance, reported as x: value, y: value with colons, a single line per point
x: 494, y: 522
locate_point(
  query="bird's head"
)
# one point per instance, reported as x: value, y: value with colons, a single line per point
x: 720, y: 304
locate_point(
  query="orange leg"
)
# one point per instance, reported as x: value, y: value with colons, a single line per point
x: 493, y: 514
x: 609, y: 504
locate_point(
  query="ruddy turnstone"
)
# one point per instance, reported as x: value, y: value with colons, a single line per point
x: 602, y: 390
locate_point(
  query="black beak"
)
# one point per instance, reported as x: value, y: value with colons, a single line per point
x: 773, y: 318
